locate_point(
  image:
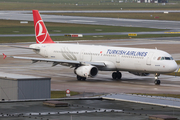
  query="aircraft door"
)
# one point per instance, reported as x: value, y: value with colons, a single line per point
x: 81, y: 54
x: 44, y: 51
x: 88, y: 56
x: 85, y: 55
x: 149, y: 57
x: 117, y: 58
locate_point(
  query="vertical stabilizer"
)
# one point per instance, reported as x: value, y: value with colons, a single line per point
x: 42, y: 35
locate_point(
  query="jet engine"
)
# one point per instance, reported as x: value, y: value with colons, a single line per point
x: 139, y: 74
x: 86, y: 71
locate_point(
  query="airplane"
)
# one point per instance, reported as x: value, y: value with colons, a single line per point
x: 87, y: 60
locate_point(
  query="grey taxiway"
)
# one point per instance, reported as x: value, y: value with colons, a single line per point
x: 161, y: 24
x: 63, y: 77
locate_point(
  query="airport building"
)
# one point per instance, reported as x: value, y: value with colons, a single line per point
x: 18, y: 87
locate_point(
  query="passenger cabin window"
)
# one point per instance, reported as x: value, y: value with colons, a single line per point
x: 165, y: 58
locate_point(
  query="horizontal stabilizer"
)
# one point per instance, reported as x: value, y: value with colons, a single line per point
x: 4, y: 56
x: 24, y: 47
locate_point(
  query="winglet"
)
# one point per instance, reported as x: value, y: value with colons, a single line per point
x: 4, y: 56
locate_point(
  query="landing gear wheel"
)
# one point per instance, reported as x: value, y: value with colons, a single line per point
x: 78, y: 77
x: 81, y: 78
x: 119, y: 75
x: 157, y: 82
x: 116, y: 75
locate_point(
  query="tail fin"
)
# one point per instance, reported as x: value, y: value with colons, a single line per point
x: 42, y: 35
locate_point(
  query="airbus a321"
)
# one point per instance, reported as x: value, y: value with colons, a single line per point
x: 87, y: 60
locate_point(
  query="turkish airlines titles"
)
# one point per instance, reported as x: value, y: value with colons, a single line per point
x: 129, y: 53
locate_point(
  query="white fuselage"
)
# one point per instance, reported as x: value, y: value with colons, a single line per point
x: 115, y: 58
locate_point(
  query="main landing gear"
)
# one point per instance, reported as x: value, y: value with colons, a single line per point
x: 157, y: 81
x: 81, y: 78
x: 116, y: 75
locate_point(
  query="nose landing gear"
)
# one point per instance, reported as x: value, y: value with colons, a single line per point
x: 157, y: 81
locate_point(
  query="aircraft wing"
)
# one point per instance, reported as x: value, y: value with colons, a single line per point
x: 56, y: 61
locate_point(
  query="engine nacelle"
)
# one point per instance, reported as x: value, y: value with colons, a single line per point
x: 86, y: 71
x: 139, y: 74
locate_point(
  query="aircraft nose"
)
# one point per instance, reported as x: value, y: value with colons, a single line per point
x: 173, y: 66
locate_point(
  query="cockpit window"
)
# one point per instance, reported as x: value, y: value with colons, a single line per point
x: 159, y: 58
x: 165, y: 58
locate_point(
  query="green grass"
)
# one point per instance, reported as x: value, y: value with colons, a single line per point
x: 14, y: 27
x: 149, y: 16
x: 178, y: 62
x: 161, y: 95
x: 61, y: 94
x: 72, y: 1
x: 174, y: 1
x: 82, y: 5
x: 63, y: 38
x: 16, y: 39
x: 173, y: 74
x: 54, y: 1
x: 81, y: 28
x: 17, y: 30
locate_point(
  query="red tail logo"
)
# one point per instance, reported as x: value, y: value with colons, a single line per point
x: 42, y: 35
